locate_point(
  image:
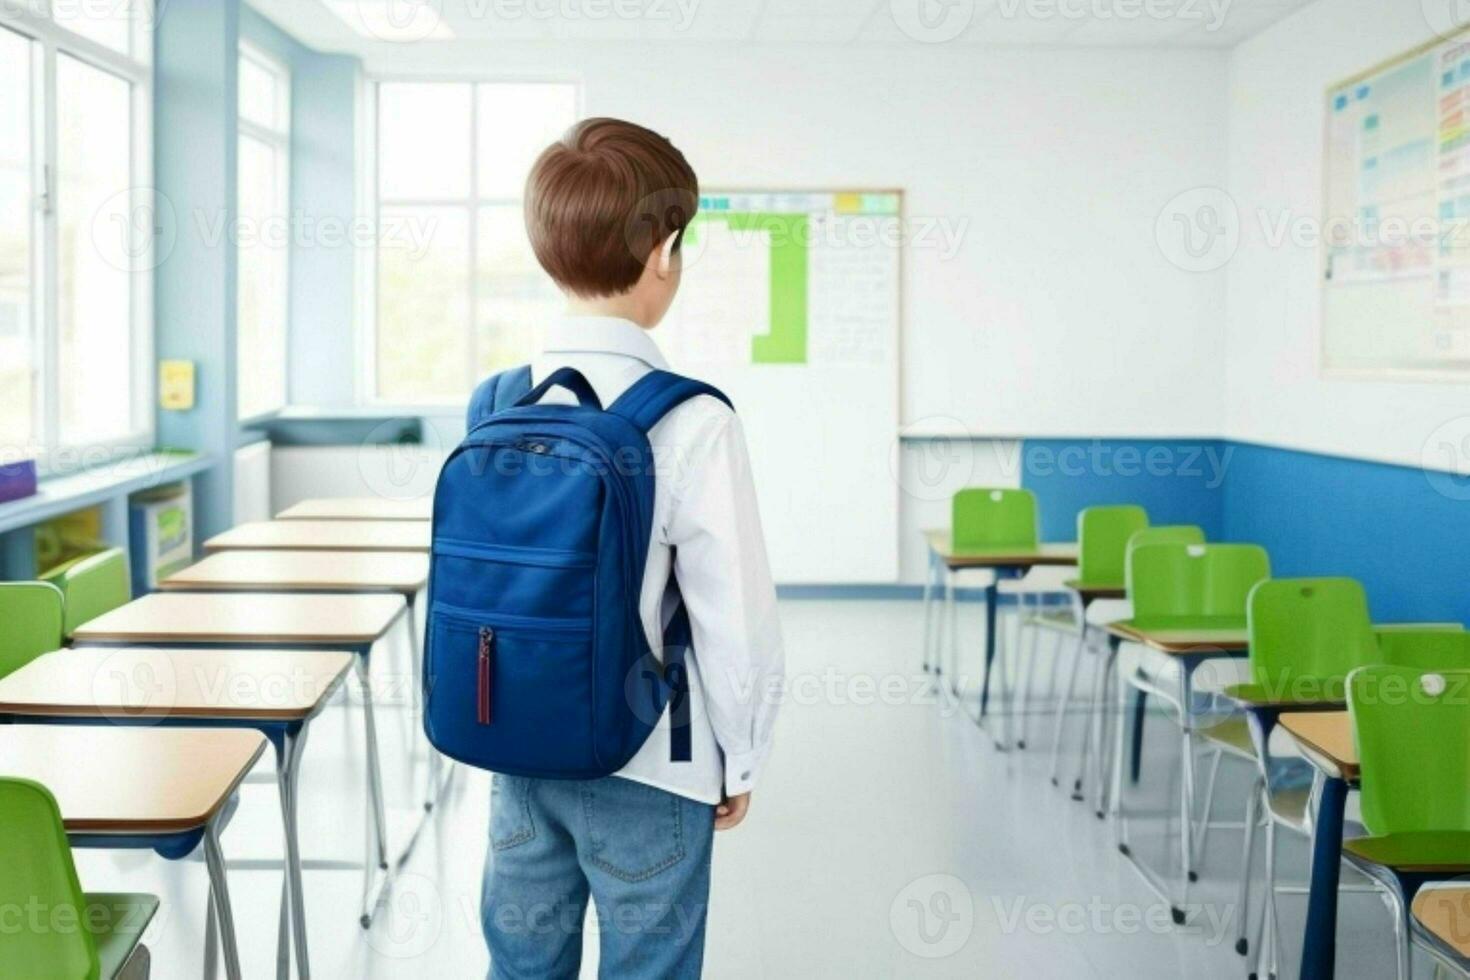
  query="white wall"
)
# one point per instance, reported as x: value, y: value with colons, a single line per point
x: 1057, y: 315
x: 1278, y: 84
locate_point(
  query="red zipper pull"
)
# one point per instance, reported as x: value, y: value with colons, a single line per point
x: 487, y: 640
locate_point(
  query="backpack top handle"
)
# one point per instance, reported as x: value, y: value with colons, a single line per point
x: 569, y: 378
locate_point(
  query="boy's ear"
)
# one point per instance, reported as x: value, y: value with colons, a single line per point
x: 662, y: 259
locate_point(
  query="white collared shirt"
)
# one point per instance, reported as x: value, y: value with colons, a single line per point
x: 706, y: 525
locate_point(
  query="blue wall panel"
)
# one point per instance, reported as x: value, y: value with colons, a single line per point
x: 1388, y: 526
x: 1179, y: 481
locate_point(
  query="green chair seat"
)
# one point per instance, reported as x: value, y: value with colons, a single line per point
x: 1233, y: 735
x: 1445, y: 851
x: 117, y: 921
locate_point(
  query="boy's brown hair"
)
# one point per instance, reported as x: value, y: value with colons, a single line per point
x: 601, y: 198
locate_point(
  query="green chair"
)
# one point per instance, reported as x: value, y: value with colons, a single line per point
x: 1306, y: 636
x: 1185, y: 587
x: 1154, y: 534
x: 102, y: 933
x: 984, y: 518
x: 995, y: 519
x: 33, y: 617
x: 1412, y: 731
x: 1102, y: 541
x: 93, y: 586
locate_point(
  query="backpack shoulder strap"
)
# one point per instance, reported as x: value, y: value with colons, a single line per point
x: 497, y: 393
x: 656, y: 394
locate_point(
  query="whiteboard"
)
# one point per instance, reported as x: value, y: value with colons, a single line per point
x: 790, y: 303
x: 1395, y: 233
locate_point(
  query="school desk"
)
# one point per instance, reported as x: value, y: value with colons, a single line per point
x: 277, y: 693
x: 303, y: 571
x: 352, y: 623
x: 160, y: 789
x: 944, y: 561
x: 360, y: 509
x: 1189, y: 648
x: 324, y: 536
x: 326, y: 571
x: 1442, y: 923
x: 1326, y: 739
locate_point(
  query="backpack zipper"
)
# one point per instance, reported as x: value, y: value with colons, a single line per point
x: 487, y: 642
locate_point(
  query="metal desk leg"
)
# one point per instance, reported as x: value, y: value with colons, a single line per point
x: 375, y: 792
x: 1107, y: 801
x: 951, y: 609
x: 991, y: 597
x: 288, y: 772
x: 219, y: 892
x: 1319, y: 944
x: 929, y: 609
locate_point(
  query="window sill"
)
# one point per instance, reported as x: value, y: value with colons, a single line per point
x: 60, y: 494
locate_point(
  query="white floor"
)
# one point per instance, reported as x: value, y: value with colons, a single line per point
x: 887, y: 839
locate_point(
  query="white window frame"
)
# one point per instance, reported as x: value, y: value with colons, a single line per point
x: 50, y: 40
x: 280, y: 141
x: 371, y: 201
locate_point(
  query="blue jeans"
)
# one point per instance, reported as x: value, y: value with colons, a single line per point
x: 641, y: 854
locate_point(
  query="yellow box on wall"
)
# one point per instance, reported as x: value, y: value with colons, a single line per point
x: 176, y: 385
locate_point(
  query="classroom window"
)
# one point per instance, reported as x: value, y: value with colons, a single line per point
x: 263, y: 238
x: 76, y: 238
x: 459, y: 293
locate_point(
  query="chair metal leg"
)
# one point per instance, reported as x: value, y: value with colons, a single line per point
x: 1267, y: 960
x: 1209, y: 805
x: 1403, y: 951
x: 1186, y: 816
x: 1059, y: 727
x: 1247, y: 862
x: 211, y: 937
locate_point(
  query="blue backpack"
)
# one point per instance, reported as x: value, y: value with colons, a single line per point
x: 537, y: 663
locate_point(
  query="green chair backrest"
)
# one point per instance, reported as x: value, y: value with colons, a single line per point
x: 1428, y: 647
x: 1412, y: 730
x: 94, y: 585
x: 1309, y: 630
x: 1103, y: 534
x: 983, y: 518
x: 1185, y: 586
x: 32, y: 614
x: 39, y: 874
x: 1159, y: 534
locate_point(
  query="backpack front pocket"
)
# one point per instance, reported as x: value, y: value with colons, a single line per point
x: 510, y: 687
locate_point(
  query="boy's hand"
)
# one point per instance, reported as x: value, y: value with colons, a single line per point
x: 730, y: 813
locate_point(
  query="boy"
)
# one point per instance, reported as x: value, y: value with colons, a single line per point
x: 606, y: 207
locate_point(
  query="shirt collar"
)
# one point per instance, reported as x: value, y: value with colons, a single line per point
x: 603, y: 335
